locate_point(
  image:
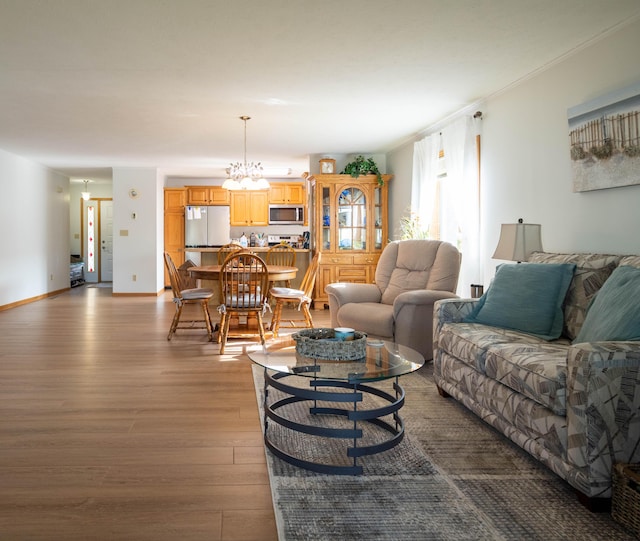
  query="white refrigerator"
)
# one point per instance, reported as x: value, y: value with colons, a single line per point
x: 206, y: 227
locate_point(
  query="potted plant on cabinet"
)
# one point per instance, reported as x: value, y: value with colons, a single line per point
x: 362, y: 166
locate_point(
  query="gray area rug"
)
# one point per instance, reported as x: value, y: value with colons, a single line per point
x: 452, y: 478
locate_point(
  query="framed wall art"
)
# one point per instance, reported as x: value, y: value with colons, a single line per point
x: 604, y: 139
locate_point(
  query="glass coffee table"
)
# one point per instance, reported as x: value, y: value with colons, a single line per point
x: 336, y: 388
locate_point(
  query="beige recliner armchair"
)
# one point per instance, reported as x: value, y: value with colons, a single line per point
x: 410, y: 276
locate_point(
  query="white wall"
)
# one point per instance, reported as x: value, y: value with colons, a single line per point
x: 137, y: 242
x: 34, y: 221
x: 526, y: 169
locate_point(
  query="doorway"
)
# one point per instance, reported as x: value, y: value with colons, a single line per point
x: 97, y: 240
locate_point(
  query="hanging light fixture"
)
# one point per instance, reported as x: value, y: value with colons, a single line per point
x: 85, y: 195
x: 245, y: 175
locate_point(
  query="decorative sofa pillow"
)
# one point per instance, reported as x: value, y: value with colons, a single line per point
x: 614, y: 313
x: 526, y: 297
x: 592, y: 271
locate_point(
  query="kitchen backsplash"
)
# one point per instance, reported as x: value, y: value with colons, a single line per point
x: 236, y: 231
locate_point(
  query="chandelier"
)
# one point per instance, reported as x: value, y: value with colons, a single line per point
x: 245, y: 175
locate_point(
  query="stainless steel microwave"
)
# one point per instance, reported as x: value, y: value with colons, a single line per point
x: 286, y: 214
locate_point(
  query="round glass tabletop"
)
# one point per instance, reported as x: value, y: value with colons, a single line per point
x: 383, y: 360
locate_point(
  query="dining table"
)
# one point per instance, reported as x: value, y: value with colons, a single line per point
x: 212, y: 272
x: 238, y: 328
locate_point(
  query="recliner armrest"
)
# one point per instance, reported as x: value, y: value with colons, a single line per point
x: 413, y: 318
x: 348, y: 292
x: 420, y: 297
x: 340, y: 294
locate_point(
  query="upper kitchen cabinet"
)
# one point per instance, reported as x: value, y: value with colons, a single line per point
x: 286, y: 193
x: 207, y: 195
x: 175, y: 199
x: 250, y: 207
x: 350, y: 229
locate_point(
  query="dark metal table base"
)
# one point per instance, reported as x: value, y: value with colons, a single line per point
x: 298, y: 394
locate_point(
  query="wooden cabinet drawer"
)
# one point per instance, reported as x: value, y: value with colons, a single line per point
x: 352, y: 273
x: 337, y: 259
x: 366, y: 259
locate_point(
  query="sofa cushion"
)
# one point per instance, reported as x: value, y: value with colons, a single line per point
x: 538, y: 371
x: 526, y: 297
x: 614, y: 313
x: 377, y: 318
x: 469, y: 342
x: 592, y: 270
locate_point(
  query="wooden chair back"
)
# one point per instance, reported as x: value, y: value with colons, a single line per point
x: 244, y: 281
x: 174, y: 277
x: 226, y: 250
x: 281, y: 254
x: 309, y: 279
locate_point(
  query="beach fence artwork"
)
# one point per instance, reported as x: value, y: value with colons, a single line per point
x: 604, y: 141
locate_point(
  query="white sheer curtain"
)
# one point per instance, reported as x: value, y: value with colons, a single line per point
x: 424, y: 180
x: 459, y: 192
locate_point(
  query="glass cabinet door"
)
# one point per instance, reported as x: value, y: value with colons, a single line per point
x: 326, y: 217
x: 352, y: 219
x: 378, y: 217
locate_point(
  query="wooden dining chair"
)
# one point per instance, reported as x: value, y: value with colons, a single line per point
x: 184, y: 295
x: 244, y: 283
x: 282, y: 254
x: 299, y: 298
x: 227, y: 249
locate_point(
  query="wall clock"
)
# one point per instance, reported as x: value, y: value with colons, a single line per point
x: 327, y: 166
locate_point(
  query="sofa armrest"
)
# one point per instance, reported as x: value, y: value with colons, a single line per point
x: 450, y: 311
x: 603, y: 409
x: 340, y: 294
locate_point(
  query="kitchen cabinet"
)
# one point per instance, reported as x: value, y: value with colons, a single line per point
x: 207, y: 195
x: 174, y: 203
x: 249, y: 207
x: 350, y: 229
x: 287, y: 193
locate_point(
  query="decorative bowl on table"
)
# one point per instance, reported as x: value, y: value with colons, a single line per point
x: 323, y: 344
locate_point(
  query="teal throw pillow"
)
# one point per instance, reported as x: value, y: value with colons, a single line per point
x: 526, y: 297
x: 614, y: 313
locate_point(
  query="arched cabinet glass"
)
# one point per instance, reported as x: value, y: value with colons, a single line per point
x: 352, y: 219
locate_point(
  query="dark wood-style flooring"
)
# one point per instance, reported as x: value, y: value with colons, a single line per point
x: 109, y: 431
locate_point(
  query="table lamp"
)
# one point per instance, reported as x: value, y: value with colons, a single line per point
x: 518, y: 241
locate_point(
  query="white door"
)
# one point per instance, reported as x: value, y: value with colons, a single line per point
x: 97, y: 246
x: 106, y: 241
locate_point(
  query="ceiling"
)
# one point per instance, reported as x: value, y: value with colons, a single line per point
x: 90, y: 85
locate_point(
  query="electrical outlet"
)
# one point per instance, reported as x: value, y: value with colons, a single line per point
x: 134, y: 277
x: 51, y: 277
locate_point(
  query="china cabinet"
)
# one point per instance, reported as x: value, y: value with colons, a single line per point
x: 350, y: 229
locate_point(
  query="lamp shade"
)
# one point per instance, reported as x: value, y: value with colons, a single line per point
x: 518, y: 241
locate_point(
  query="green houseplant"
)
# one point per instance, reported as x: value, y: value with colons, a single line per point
x: 362, y: 166
x: 411, y: 228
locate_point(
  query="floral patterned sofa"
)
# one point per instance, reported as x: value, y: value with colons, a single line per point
x: 574, y: 405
